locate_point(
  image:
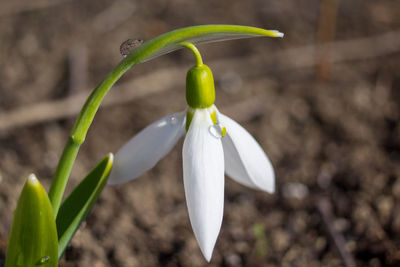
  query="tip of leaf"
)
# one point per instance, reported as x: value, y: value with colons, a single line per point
x: 278, y: 33
x: 32, y: 180
x: 110, y: 156
x: 110, y: 161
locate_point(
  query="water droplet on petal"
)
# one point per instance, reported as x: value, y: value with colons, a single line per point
x: 173, y: 120
x: 216, y: 130
x: 43, y: 260
x: 129, y: 45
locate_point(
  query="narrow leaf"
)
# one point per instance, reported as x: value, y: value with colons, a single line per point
x: 33, y: 238
x: 170, y: 41
x: 78, y: 204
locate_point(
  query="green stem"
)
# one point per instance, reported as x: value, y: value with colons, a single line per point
x: 78, y: 134
x: 63, y: 170
x: 199, y: 60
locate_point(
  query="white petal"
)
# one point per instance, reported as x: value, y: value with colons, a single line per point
x: 203, y: 174
x: 145, y: 149
x: 245, y: 160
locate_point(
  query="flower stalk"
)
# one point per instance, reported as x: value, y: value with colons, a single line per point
x: 193, y: 48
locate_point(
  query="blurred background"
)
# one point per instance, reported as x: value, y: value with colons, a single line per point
x: 323, y: 102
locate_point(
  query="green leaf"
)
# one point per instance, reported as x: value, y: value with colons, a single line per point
x: 172, y: 40
x: 33, y: 238
x: 78, y: 204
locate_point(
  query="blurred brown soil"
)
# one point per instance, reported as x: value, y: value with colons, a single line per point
x: 333, y: 138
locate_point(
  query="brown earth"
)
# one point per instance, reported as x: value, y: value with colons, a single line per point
x: 329, y: 122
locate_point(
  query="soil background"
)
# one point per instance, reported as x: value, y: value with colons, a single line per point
x: 323, y: 102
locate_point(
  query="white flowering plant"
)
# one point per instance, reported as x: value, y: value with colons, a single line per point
x: 44, y: 225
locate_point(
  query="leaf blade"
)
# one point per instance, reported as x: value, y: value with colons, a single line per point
x: 79, y: 202
x: 33, y: 238
x: 169, y: 42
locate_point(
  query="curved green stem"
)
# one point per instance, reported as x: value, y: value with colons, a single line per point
x: 78, y: 135
x: 160, y: 45
x: 199, y: 60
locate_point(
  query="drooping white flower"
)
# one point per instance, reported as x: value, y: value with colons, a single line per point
x: 214, y: 144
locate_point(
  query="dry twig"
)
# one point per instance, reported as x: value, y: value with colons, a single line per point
x: 325, y: 209
x: 15, y: 7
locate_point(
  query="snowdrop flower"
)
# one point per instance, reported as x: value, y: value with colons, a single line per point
x: 214, y: 144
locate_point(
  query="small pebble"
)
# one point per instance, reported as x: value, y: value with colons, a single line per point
x: 129, y: 45
x: 295, y: 190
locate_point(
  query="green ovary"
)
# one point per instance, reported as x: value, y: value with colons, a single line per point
x: 200, y: 91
